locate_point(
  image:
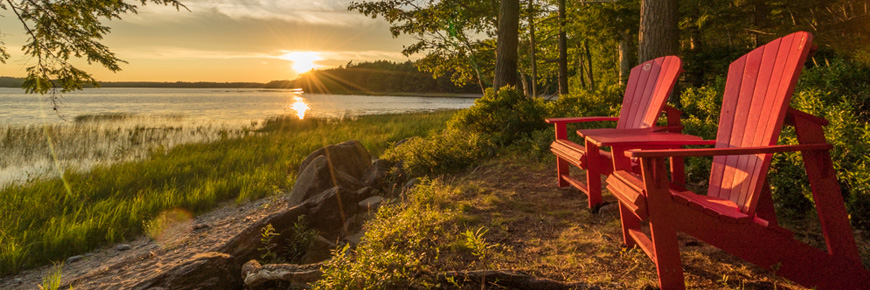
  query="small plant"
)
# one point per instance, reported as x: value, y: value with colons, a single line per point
x: 52, y: 280
x: 475, y: 241
x: 267, y: 239
x: 302, y: 239
x: 154, y: 227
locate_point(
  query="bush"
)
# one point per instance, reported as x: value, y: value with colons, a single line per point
x: 445, y: 151
x: 505, y: 116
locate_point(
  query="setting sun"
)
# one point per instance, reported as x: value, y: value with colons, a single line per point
x: 303, y: 61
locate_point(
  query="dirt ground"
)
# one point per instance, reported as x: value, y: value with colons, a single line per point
x: 536, y: 227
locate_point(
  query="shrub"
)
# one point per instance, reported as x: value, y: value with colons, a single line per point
x: 445, y: 151
x: 504, y: 117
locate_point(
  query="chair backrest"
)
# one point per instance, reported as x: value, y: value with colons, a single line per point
x: 648, y: 88
x: 757, y: 93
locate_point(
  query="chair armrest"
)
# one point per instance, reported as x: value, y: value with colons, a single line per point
x: 641, y: 137
x: 728, y: 151
x: 579, y: 120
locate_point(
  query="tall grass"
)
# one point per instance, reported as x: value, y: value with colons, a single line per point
x: 42, y: 221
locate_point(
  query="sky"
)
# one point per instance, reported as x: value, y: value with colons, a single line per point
x: 230, y: 41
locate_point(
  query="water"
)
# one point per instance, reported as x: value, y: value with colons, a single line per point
x: 225, y: 105
x: 102, y: 126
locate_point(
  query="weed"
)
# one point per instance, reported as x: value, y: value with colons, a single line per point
x: 52, y: 280
x: 269, y: 245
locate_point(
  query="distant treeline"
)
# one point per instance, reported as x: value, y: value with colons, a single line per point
x: 373, y: 77
x: 362, y: 78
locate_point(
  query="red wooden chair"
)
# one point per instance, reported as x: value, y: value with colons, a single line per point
x: 649, y: 85
x: 737, y: 214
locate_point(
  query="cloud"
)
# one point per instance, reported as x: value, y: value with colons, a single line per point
x: 326, y: 57
x: 314, y: 12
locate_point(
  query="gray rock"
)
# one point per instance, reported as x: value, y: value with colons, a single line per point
x: 74, y: 258
x: 210, y: 270
x: 374, y: 176
x: 371, y: 203
x: 319, y: 250
x: 349, y: 157
x: 410, y: 184
x: 122, y: 247
x: 316, y: 178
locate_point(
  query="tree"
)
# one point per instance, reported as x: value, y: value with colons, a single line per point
x: 658, y: 29
x: 563, y: 50
x: 447, y: 32
x: 507, y: 44
x: 60, y: 30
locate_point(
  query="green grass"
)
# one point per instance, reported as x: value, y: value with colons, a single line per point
x: 46, y: 220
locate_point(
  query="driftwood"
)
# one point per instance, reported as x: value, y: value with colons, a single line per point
x: 507, y: 279
x: 257, y: 275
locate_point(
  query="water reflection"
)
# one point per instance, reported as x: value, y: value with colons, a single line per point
x: 299, y: 104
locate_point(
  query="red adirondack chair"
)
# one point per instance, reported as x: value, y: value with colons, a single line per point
x: 647, y: 90
x: 737, y: 214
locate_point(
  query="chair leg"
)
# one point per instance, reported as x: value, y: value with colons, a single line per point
x: 667, y: 255
x: 629, y: 221
x: 593, y: 174
x: 562, y: 171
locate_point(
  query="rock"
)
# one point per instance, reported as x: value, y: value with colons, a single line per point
x: 210, y: 270
x: 316, y: 178
x: 327, y: 212
x: 355, y: 238
x: 374, y: 176
x: 200, y: 227
x: 257, y: 276
x: 371, y: 203
x: 410, y: 184
x: 122, y: 247
x: 349, y: 157
x: 319, y: 250
x: 74, y: 258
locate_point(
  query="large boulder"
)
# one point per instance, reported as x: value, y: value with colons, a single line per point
x: 349, y: 157
x: 318, y: 177
x: 210, y: 270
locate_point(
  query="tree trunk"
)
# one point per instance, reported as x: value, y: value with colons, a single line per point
x: 563, y: 51
x: 534, y: 66
x: 658, y: 29
x: 626, y: 55
x: 506, y: 49
x: 589, y: 63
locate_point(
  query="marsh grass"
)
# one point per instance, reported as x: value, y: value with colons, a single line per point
x: 48, y: 219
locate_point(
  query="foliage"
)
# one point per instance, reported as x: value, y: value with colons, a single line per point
x: 53, y: 279
x: 400, y: 244
x: 59, y: 30
x: 445, y: 151
x: 109, y: 203
x: 447, y: 32
x: 373, y: 77
x: 504, y: 116
x: 269, y: 245
x: 302, y: 237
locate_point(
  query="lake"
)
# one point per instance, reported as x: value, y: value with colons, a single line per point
x: 107, y: 125
x: 226, y: 105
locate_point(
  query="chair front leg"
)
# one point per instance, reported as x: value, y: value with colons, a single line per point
x: 663, y: 231
x: 593, y: 173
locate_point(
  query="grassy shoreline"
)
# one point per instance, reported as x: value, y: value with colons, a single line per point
x: 46, y: 220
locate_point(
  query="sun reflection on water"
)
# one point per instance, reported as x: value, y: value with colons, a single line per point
x: 299, y: 104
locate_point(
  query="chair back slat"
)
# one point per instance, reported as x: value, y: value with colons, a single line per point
x: 757, y: 94
x: 647, y: 90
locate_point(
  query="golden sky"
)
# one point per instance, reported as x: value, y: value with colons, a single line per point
x: 230, y: 40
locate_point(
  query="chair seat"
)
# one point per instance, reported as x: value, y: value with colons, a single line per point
x: 629, y: 189
x: 574, y: 153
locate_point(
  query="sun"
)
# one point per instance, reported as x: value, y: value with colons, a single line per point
x: 303, y: 61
